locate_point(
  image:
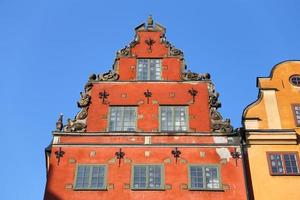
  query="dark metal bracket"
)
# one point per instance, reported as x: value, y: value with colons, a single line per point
x: 103, y: 95
x: 235, y: 155
x: 193, y: 93
x: 120, y: 155
x: 148, y: 94
x: 59, y: 154
x: 176, y: 153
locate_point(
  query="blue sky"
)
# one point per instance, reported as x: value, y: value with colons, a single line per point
x: 49, y: 48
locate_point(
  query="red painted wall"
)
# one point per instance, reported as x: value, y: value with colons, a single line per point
x: 176, y: 175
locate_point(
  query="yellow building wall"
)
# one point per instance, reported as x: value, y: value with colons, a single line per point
x: 265, y: 186
x: 273, y: 110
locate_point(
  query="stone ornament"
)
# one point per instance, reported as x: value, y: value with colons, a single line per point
x: 217, y: 124
x: 191, y: 76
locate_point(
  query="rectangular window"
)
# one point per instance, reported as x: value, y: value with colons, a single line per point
x: 283, y: 163
x: 149, y: 69
x: 296, y: 110
x: 173, y: 118
x: 147, y: 177
x: 90, y: 177
x: 122, y: 118
x: 202, y: 177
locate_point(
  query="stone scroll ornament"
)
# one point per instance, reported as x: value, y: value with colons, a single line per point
x: 216, y: 120
x: 190, y: 76
x: 108, y: 76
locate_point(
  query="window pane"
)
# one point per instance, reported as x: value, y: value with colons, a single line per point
x: 82, y: 180
x: 142, y: 69
x: 290, y: 164
x: 115, y: 122
x: 155, y: 69
x: 154, y: 176
x: 98, y: 177
x: 139, y: 179
x: 276, y: 163
x: 197, y: 179
x: 297, y: 114
x: 212, y: 177
x: 129, y: 119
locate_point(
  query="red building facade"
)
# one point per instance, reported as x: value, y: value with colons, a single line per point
x: 146, y: 129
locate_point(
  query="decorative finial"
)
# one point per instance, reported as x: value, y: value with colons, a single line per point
x: 59, y: 123
x: 150, y: 21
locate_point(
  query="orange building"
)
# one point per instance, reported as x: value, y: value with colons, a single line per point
x: 272, y: 134
x: 146, y: 129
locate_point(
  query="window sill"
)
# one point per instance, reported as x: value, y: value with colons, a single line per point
x: 285, y: 174
x: 147, y: 189
x: 90, y: 189
x: 207, y: 190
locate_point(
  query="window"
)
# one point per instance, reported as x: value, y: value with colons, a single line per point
x: 286, y: 163
x: 295, y: 80
x: 122, y: 118
x: 202, y: 177
x: 147, y: 177
x: 296, y: 110
x: 173, y: 118
x: 90, y: 177
x: 149, y: 69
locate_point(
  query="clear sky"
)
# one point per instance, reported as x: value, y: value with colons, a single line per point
x: 49, y: 48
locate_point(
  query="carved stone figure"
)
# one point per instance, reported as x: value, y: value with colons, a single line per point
x: 83, y: 113
x: 84, y: 101
x: 74, y: 126
x: 59, y: 123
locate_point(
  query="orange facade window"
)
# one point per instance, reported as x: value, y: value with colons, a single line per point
x: 283, y: 163
x: 296, y: 111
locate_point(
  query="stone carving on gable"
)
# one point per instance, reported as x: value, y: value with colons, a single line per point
x: 190, y: 76
x: 172, y: 50
x: 126, y: 51
x: 109, y: 76
x: 84, y: 101
x: 78, y: 124
x: 217, y: 124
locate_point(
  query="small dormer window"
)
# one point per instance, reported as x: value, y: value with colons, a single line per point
x: 149, y: 69
x: 295, y: 80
